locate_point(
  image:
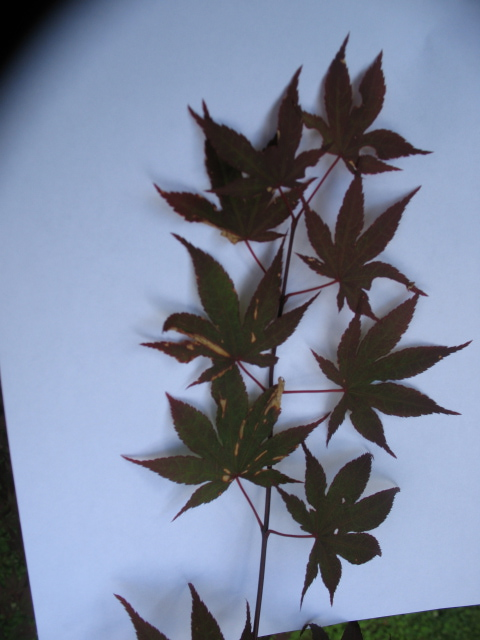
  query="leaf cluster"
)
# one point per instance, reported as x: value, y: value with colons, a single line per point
x: 242, y: 445
x: 261, y: 195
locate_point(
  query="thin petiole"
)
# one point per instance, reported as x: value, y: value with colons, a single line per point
x: 327, y: 173
x: 260, y: 523
x: 290, y: 535
x: 287, y: 204
x: 322, y: 286
x: 245, y: 370
x: 249, y: 246
x: 314, y: 391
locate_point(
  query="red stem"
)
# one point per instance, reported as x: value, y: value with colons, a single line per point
x: 255, y: 256
x: 290, y: 535
x: 327, y: 173
x: 250, y: 503
x: 250, y: 375
x: 315, y: 391
x: 322, y: 286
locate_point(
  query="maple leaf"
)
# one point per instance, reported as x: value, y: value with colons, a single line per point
x: 273, y: 167
x: 203, y: 624
x: 348, y: 257
x: 338, y: 519
x: 241, y: 446
x: 239, y: 217
x: 345, y: 133
x: 365, y: 366
x: 224, y: 337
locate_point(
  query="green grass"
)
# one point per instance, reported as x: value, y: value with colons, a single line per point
x: 462, y: 623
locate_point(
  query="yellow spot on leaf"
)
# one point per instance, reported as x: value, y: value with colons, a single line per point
x: 211, y: 345
x: 277, y: 397
x: 230, y: 236
x: 223, y: 405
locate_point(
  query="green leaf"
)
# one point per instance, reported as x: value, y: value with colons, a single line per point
x: 223, y: 336
x: 241, y: 446
x: 338, y: 519
x: 365, y: 367
x: 344, y: 132
x: 346, y: 258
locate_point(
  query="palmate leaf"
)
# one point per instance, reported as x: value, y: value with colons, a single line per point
x: 224, y: 337
x: 344, y: 132
x: 203, y: 624
x: 365, y: 368
x: 241, y: 446
x: 273, y: 167
x: 338, y: 518
x: 251, y: 216
x: 347, y: 258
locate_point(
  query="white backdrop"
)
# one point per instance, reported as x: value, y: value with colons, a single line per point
x: 91, y: 115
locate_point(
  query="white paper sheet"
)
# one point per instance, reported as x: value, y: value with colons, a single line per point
x: 91, y: 116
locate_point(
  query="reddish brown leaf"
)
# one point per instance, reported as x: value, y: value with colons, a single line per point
x: 347, y: 258
x: 344, y: 132
x: 338, y: 519
x: 365, y: 366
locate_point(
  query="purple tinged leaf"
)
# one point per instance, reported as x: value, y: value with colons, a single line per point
x: 204, y: 494
x: 350, y: 221
x: 315, y: 480
x: 346, y: 259
x: 180, y: 469
x: 329, y: 369
x: 204, y: 624
x: 388, y: 145
x: 385, y: 334
x: 144, y: 630
x: 297, y: 510
x: 356, y: 548
x: 348, y: 348
x: 409, y: 362
x: 372, y: 90
x: 378, y: 235
x: 338, y: 93
x: 365, y: 366
x: 368, y: 424
x: 397, y: 400
x: 338, y: 519
x: 344, y: 134
x: 370, y: 512
x: 351, y: 481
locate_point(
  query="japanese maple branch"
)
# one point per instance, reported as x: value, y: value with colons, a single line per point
x: 268, y: 491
